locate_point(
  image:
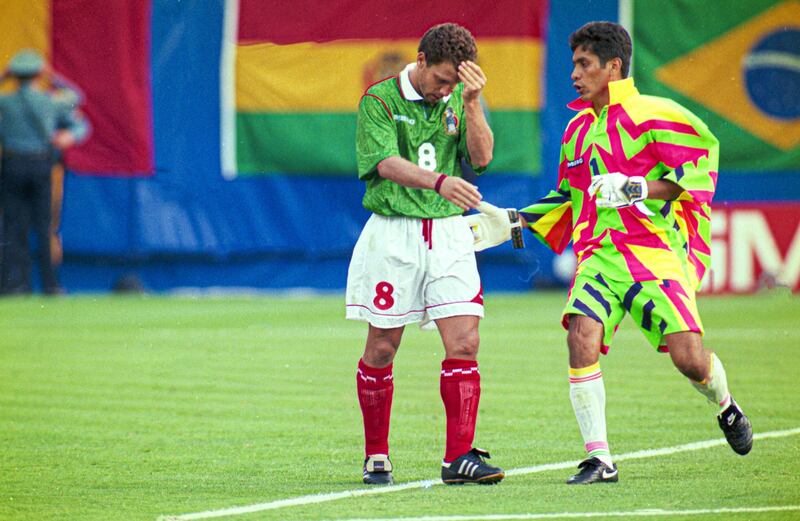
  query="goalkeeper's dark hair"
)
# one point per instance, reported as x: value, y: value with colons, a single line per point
x: 605, y: 39
x: 448, y: 43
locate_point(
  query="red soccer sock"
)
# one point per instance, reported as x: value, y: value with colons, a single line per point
x: 460, y: 386
x: 375, y: 389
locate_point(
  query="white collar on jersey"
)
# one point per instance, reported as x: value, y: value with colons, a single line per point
x: 408, y: 90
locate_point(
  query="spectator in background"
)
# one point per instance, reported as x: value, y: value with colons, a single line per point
x: 36, y: 126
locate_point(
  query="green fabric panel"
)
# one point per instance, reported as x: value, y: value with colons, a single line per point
x: 691, y: 23
x: 517, y: 142
x: 321, y: 143
x: 324, y: 143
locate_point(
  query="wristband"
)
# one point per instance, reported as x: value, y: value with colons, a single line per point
x: 439, y: 182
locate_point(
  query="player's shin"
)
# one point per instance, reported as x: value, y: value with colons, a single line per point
x: 460, y: 387
x: 588, y: 396
x: 715, y: 386
x: 375, y: 390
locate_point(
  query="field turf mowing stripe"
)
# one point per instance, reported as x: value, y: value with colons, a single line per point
x: 322, y: 498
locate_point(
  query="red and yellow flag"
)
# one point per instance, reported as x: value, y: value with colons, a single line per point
x: 299, y: 73
x: 104, y: 49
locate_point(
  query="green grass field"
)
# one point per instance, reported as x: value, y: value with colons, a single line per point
x: 132, y: 408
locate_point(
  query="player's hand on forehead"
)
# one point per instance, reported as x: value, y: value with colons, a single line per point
x: 473, y: 78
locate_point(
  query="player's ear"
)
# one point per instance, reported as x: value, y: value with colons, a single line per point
x: 421, y: 62
x: 615, y: 67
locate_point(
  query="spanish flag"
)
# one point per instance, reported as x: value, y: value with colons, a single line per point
x: 296, y: 73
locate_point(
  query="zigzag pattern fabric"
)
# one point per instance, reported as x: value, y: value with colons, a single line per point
x: 636, y: 135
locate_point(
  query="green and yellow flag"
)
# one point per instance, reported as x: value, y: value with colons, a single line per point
x: 736, y: 65
x: 298, y: 70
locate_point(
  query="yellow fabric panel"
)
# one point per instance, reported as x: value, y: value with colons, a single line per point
x: 583, y: 371
x: 576, y: 232
x: 514, y: 73
x: 24, y: 25
x: 331, y: 77
x: 645, y: 108
x: 550, y: 219
x: 663, y: 263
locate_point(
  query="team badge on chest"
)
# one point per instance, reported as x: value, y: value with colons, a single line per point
x: 450, y: 121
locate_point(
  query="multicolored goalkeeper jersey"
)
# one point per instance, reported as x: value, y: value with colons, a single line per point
x: 644, y: 136
x: 394, y: 120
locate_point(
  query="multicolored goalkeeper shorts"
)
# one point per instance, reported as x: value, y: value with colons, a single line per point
x: 659, y: 307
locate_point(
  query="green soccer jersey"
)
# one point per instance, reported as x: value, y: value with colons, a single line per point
x: 392, y: 121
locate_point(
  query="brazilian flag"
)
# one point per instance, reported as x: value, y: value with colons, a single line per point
x: 736, y: 65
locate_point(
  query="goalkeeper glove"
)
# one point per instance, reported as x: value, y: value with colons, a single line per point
x: 494, y: 226
x: 616, y: 190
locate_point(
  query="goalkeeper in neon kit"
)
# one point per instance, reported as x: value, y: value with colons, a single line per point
x: 414, y: 260
x: 636, y: 177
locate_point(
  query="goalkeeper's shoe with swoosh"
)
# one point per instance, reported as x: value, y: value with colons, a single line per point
x: 594, y: 471
x: 737, y: 429
x: 471, y: 468
x: 378, y: 470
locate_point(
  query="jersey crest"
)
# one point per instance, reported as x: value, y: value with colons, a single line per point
x: 450, y: 122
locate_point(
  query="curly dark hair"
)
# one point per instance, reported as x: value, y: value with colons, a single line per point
x: 605, y: 39
x: 448, y: 42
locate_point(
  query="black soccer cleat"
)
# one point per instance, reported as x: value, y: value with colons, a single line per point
x: 737, y: 429
x: 378, y: 470
x: 471, y: 468
x: 594, y: 471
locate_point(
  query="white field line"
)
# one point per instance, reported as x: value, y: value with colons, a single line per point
x: 333, y: 496
x: 650, y: 512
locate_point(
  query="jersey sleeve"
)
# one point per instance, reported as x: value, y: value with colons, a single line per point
x: 688, y: 150
x: 691, y: 154
x: 550, y: 218
x: 376, y: 135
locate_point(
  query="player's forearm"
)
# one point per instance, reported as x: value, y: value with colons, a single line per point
x: 663, y: 190
x: 480, y: 140
x: 405, y: 173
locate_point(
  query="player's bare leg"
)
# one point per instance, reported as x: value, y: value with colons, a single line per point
x: 375, y: 384
x: 707, y: 375
x: 460, y: 387
x: 688, y: 354
x: 588, y: 396
x: 382, y: 345
x: 584, y: 338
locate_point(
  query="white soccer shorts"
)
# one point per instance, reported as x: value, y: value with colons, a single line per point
x: 406, y: 270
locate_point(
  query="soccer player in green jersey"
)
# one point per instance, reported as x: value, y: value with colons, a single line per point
x: 636, y: 177
x: 413, y: 261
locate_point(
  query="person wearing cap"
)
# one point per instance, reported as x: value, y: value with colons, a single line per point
x: 36, y: 126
